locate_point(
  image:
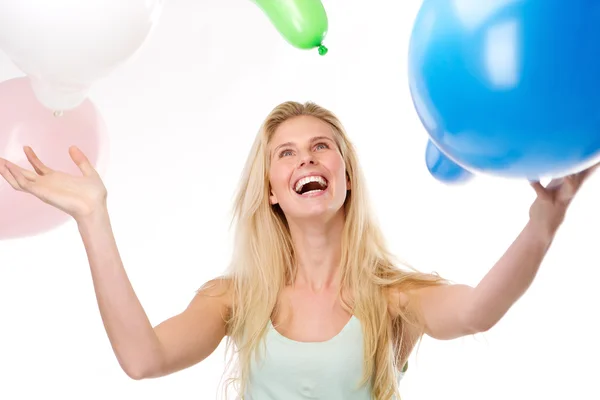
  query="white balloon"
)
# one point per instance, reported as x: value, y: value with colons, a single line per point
x: 66, y: 45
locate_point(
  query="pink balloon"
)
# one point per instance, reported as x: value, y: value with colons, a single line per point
x: 24, y: 121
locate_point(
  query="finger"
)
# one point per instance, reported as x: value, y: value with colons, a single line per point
x: 81, y: 161
x: 569, y: 188
x: 23, y: 177
x: 5, y: 172
x: 540, y: 190
x: 555, y: 184
x: 587, y: 172
x: 35, y: 162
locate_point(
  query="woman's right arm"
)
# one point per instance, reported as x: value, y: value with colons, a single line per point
x: 141, y: 350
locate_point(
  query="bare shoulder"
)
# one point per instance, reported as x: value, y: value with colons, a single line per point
x: 406, y: 333
x: 405, y: 297
x: 219, y: 289
x: 397, y: 301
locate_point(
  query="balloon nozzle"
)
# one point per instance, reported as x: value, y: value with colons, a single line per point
x: 322, y: 50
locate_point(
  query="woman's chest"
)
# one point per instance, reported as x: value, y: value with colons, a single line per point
x: 308, y: 317
x: 324, y: 370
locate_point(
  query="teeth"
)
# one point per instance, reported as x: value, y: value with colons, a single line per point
x: 305, y: 180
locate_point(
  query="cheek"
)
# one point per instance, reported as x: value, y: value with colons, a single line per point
x: 279, y: 179
x: 338, y: 167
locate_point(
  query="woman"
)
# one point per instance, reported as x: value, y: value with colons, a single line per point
x: 313, y: 303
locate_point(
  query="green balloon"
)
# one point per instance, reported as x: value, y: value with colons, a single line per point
x: 303, y: 23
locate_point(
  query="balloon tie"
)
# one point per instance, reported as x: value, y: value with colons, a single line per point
x: 322, y: 50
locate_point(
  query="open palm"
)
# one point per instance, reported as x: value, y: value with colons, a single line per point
x: 78, y: 196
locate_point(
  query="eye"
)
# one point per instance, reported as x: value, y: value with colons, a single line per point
x: 321, y: 145
x: 285, y: 153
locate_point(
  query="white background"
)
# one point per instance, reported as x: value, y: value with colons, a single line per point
x: 182, y: 115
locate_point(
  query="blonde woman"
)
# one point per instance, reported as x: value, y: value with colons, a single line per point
x: 313, y: 305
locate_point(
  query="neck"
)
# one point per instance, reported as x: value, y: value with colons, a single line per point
x: 318, y: 252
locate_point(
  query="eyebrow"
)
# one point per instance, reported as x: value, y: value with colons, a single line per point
x: 312, y: 140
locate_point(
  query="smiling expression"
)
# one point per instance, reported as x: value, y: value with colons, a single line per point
x: 307, y: 173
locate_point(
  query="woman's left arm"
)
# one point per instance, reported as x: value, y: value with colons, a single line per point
x: 452, y: 311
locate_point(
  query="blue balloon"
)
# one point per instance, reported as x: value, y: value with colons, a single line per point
x: 509, y: 87
x: 444, y: 169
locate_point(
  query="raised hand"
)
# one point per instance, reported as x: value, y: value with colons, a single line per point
x: 78, y: 196
x: 549, y: 208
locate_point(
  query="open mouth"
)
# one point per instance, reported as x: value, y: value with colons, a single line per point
x: 311, y: 185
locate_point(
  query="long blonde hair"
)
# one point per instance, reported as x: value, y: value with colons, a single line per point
x: 263, y: 264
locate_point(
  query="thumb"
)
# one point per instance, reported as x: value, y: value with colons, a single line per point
x: 540, y: 190
x: 81, y: 161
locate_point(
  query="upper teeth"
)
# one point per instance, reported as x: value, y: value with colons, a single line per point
x: 308, y: 179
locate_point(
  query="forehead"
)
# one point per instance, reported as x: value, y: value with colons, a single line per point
x: 300, y: 129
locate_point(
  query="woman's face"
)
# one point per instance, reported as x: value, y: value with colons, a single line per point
x: 307, y: 172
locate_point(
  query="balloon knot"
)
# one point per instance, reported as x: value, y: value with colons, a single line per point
x: 58, y: 113
x: 322, y: 50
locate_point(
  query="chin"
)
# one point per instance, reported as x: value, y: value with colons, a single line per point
x: 316, y: 207
x: 318, y: 213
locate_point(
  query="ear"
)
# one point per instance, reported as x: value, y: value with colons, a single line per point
x: 273, y: 199
x: 348, y: 184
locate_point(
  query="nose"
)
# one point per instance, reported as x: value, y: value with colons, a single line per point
x: 307, y: 159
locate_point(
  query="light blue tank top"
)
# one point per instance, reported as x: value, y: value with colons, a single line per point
x: 291, y: 370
